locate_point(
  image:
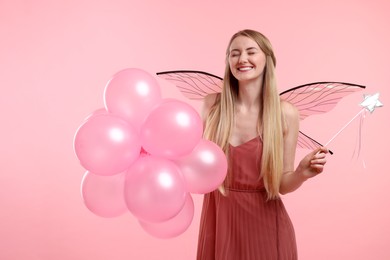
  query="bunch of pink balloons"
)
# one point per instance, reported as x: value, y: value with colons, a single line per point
x: 146, y: 155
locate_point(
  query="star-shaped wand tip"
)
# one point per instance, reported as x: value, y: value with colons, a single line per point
x: 371, y: 102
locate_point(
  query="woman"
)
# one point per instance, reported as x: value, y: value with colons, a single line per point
x: 245, y: 218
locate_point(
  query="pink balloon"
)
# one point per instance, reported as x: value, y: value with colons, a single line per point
x: 103, y: 195
x: 100, y: 111
x: 132, y: 93
x: 205, y: 168
x: 172, y: 129
x: 106, y: 145
x: 174, y: 226
x: 154, y: 189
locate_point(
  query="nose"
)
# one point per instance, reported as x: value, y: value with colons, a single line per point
x: 243, y: 58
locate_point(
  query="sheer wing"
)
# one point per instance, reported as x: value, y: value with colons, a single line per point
x: 318, y: 97
x: 310, y: 99
x: 306, y: 142
x: 193, y: 84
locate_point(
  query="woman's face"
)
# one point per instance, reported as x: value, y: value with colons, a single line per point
x: 246, y: 59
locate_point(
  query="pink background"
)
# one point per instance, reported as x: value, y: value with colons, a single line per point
x: 56, y: 57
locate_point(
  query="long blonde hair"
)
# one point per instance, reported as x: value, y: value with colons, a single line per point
x: 220, y: 120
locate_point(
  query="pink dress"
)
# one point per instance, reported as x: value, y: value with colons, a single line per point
x: 244, y: 225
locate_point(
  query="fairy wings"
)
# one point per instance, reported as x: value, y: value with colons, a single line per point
x: 309, y: 99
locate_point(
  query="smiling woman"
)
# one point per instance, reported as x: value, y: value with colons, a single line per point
x: 246, y: 59
x: 246, y: 219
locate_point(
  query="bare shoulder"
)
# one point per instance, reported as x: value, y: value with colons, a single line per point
x: 290, y: 115
x: 208, y: 102
x: 289, y: 111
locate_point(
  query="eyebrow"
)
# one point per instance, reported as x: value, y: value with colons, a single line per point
x: 247, y: 49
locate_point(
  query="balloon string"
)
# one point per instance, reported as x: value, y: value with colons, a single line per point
x: 361, y: 111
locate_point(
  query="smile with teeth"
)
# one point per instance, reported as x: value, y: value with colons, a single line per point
x: 244, y: 68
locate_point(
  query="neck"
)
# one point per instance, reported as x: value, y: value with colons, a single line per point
x: 249, y: 93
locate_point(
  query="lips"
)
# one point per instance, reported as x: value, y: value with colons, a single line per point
x: 246, y: 68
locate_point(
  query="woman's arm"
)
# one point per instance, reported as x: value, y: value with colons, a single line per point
x: 311, y: 165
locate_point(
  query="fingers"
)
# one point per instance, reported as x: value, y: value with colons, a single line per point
x: 318, y: 160
x: 324, y: 150
x: 318, y: 163
x: 319, y: 156
x: 317, y: 168
x: 320, y: 150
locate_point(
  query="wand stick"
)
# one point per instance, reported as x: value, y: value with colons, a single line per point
x: 370, y: 103
x: 361, y: 111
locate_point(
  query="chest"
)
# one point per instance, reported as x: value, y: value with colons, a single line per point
x: 245, y: 128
